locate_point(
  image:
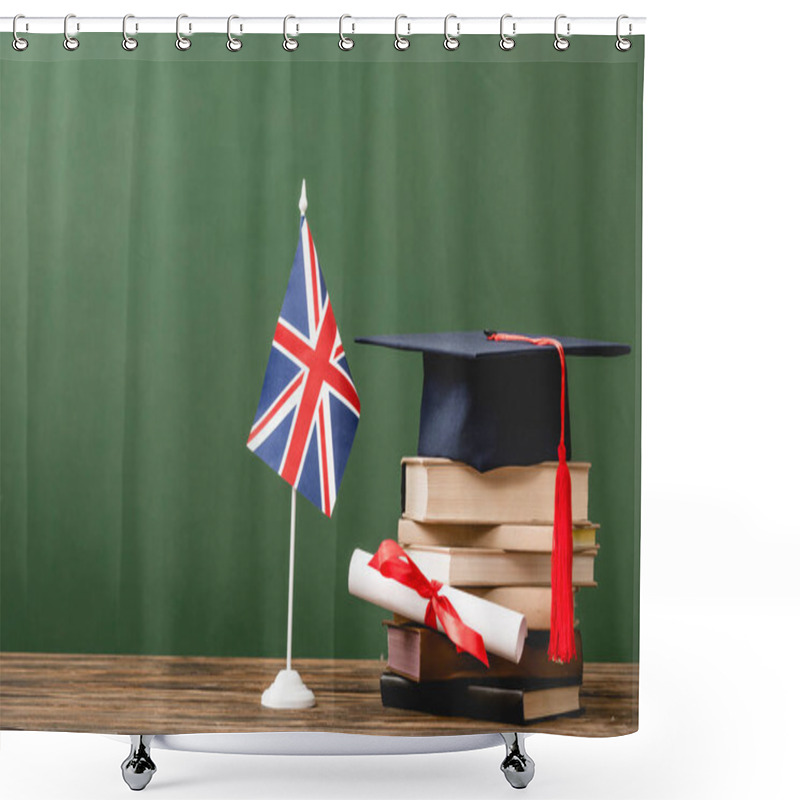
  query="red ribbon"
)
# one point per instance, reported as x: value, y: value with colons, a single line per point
x: 393, y: 562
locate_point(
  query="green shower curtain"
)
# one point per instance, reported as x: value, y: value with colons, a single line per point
x: 148, y: 224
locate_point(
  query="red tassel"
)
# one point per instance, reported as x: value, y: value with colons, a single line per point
x: 562, y: 612
x: 562, y: 627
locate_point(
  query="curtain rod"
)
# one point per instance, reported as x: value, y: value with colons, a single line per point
x: 407, y: 26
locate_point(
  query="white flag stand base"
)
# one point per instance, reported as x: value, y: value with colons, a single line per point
x: 288, y: 691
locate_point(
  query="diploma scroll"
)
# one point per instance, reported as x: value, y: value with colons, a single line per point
x: 502, y: 629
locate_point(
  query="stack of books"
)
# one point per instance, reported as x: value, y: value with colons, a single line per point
x: 489, y: 534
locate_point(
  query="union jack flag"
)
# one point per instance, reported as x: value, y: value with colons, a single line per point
x: 309, y: 409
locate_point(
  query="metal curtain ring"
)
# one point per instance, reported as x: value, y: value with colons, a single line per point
x: 560, y: 42
x: 233, y: 44
x: 451, y: 42
x: 345, y: 43
x: 400, y: 42
x: 18, y: 43
x: 128, y: 42
x: 507, y: 42
x: 290, y: 44
x: 70, y: 42
x: 623, y: 44
x: 181, y: 42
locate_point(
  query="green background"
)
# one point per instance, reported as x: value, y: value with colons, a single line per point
x: 148, y: 224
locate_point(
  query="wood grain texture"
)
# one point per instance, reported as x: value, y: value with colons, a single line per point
x: 170, y: 695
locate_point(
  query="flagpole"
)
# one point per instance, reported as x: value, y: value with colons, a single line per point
x: 303, y: 206
x: 288, y: 689
x: 291, y: 580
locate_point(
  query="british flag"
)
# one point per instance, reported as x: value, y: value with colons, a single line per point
x: 309, y: 409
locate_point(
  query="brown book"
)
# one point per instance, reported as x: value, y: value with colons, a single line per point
x: 531, y: 538
x: 474, y: 566
x: 420, y: 653
x: 510, y: 705
x: 440, y: 490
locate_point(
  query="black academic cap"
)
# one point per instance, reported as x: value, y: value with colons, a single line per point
x: 492, y: 403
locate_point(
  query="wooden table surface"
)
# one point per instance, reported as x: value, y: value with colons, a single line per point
x: 168, y: 695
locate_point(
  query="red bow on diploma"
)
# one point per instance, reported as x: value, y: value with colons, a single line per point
x: 393, y: 562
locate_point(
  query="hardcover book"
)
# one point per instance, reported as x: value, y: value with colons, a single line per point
x: 440, y: 490
x: 532, y: 538
x: 472, y: 566
x: 476, y: 701
x: 422, y: 654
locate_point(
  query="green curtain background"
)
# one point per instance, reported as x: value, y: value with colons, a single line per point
x: 148, y: 224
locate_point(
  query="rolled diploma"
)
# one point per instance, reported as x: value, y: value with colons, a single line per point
x: 502, y: 629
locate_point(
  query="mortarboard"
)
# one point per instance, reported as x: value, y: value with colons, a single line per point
x: 499, y: 399
x: 491, y: 403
